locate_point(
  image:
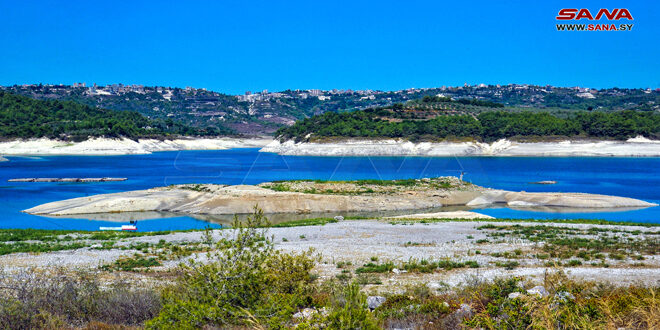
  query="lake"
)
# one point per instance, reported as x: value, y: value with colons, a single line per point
x: 629, y: 177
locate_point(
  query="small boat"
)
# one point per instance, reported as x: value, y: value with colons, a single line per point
x: 128, y: 227
x: 131, y: 227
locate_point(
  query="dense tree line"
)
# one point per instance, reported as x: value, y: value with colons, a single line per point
x: 487, y: 126
x: 480, y: 103
x: 23, y: 117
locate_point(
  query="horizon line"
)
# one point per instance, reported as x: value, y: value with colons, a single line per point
x: 481, y: 85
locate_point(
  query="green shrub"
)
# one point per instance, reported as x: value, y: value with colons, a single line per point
x: 375, y: 268
x: 129, y: 264
x: 349, y: 310
x: 246, y: 281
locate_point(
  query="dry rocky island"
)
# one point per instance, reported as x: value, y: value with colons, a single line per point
x: 323, y: 196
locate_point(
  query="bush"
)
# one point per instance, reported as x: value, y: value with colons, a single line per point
x: 246, y: 281
x: 47, y: 300
x: 349, y: 310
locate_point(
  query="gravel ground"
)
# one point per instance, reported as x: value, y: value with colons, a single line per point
x: 359, y: 241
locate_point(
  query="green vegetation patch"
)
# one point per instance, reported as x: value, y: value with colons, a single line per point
x: 8, y: 248
x: 129, y: 264
x: 305, y: 222
x: 416, y: 266
x: 40, y: 240
x: 590, y: 243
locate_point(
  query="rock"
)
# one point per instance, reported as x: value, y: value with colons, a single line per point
x: 436, y: 285
x: 464, y: 312
x: 539, y: 291
x: 396, y: 271
x: 573, y: 200
x: 564, y: 296
x: 305, y: 313
x: 339, y: 218
x: 374, y: 301
x: 514, y: 295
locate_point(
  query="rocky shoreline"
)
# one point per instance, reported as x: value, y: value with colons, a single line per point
x: 123, y: 146
x: 636, y: 147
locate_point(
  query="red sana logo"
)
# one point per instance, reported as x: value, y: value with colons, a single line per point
x: 578, y: 14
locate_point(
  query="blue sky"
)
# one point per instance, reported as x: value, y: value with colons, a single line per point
x: 235, y: 46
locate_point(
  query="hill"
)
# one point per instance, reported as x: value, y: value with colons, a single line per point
x: 434, y: 118
x: 264, y: 112
x: 24, y: 117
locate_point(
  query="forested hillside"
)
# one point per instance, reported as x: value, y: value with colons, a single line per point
x: 440, y: 118
x: 263, y: 112
x: 23, y: 117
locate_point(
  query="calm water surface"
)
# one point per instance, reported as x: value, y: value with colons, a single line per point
x: 630, y: 177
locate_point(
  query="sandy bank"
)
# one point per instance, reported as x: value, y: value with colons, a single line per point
x: 636, y: 147
x: 220, y: 199
x: 106, y: 146
x: 442, y: 215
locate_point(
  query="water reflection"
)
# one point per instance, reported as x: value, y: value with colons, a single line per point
x: 275, y: 218
x: 227, y: 219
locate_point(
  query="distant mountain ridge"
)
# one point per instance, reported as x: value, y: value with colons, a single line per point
x: 264, y: 112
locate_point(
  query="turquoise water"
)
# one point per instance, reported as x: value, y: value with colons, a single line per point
x: 630, y: 177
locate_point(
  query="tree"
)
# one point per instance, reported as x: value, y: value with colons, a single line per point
x: 246, y: 279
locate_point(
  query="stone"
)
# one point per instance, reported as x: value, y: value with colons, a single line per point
x: 464, y: 312
x: 339, y: 218
x: 564, y: 296
x: 305, y: 313
x: 514, y: 295
x: 396, y: 271
x: 374, y: 301
x: 539, y: 291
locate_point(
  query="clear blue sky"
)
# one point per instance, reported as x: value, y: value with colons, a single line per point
x: 234, y: 46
